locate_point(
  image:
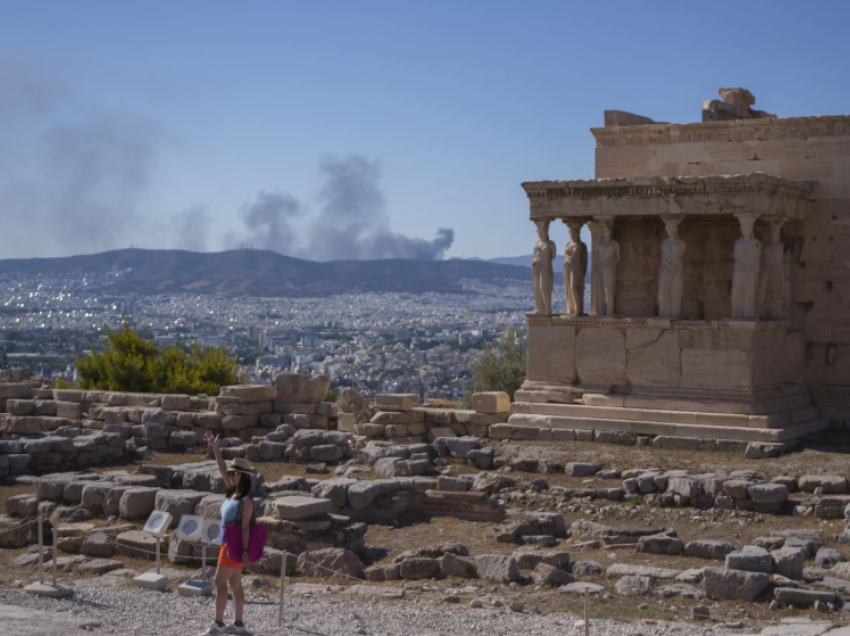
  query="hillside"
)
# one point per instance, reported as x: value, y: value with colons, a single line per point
x: 262, y: 273
x: 525, y: 261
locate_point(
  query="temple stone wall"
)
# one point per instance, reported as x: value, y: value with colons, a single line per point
x: 707, y: 267
x: 817, y: 253
x: 663, y: 361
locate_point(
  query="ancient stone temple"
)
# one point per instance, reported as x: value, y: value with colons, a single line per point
x: 720, y: 292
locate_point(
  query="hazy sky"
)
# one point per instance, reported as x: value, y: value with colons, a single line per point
x: 358, y: 128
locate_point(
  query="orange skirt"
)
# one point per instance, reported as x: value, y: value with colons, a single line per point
x: 225, y: 560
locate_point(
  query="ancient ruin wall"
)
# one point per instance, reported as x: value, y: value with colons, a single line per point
x: 816, y: 254
x: 45, y: 430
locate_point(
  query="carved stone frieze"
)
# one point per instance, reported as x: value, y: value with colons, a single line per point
x: 765, y: 194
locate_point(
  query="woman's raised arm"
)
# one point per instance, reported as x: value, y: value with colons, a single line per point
x: 212, y: 440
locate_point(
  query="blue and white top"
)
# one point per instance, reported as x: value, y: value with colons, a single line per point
x: 230, y: 510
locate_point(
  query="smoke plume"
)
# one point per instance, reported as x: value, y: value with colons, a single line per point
x: 191, y: 228
x: 268, y: 223
x: 75, y: 175
x: 72, y: 174
x: 352, y: 222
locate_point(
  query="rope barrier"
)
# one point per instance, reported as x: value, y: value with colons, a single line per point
x: 332, y: 573
x: 18, y: 527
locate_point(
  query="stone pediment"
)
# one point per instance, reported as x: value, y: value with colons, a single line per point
x: 758, y: 193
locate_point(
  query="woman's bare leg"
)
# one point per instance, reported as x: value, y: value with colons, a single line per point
x: 238, y: 594
x: 222, y: 576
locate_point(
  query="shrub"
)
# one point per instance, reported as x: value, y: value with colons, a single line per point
x: 134, y: 363
x: 502, y: 366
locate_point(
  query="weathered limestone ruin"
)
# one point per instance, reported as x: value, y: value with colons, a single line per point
x: 44, y: 430
x: 718, y: 291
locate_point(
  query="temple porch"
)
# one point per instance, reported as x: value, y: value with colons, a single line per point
x: 692, y: 334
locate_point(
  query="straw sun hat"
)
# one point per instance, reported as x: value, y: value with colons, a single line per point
x: 240, y: 465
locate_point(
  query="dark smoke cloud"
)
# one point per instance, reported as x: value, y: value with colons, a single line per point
x: 352, y: 208
x: 268, y: 223
x: 394, y: 245
x: 191, y: 228
x: 79, y: 171
x: 352, y: 222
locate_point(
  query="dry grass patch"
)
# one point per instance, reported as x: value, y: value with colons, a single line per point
x: 820, y: 454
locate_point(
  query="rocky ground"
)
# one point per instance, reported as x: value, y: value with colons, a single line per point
x: 108, y: 604
x: 103, y: 608
x: 99, y: 607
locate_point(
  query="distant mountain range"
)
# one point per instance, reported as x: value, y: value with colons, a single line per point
x: 525, y: 261
x: 267, y: 273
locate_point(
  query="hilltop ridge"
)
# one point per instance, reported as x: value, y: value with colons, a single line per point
x: 263, y: 273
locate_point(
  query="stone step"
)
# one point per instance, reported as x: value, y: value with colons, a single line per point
x: 746, y: 434
x: 774, y: 420
x: 700, y: 401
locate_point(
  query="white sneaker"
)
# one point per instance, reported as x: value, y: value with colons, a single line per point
x: 215, y: 630
x: 233, y: 629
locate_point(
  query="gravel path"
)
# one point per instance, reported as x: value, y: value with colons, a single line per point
x: 102, y: 608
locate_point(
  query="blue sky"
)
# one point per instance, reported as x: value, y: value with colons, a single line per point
x: 176, y: 106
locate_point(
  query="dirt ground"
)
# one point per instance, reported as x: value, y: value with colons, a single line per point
x: 827, y: 453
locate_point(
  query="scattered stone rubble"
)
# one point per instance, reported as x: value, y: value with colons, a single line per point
x: 322, y: 523
x: 317, y: 520
x: 46, y: 430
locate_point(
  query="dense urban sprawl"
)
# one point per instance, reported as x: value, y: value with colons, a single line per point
x: 376, y: 342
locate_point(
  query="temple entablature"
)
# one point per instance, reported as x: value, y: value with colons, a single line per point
x: 762, y: 194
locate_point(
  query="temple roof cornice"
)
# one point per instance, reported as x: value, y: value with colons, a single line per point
x: 759, y: 193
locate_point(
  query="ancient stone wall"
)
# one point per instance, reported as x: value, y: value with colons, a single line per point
x: 707, y: 264
x: 46, y: 430
x: 818, y: 293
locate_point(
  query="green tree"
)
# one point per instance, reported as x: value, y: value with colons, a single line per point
x: 502, y: 366
x: 132, y: 362
x: 127, y: 362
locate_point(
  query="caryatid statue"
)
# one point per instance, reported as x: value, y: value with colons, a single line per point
x: 606, y: 255
x: 745, y: 275
x: 575, y: 269
x: 670, y: 278
x: 773, y: 273
x: 541, y: 269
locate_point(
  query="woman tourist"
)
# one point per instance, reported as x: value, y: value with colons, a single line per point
x: 237, y: 508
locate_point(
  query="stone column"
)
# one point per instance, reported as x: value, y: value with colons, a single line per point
x: 606, y: 255
x: 575, y: 268
x: 542, y: 275
x: 670, y: 278
x: 595, y: 236
x: 772, y: 279
x: 745, y: 275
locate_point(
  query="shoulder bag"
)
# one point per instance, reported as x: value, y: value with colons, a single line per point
x: 257, y: 536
